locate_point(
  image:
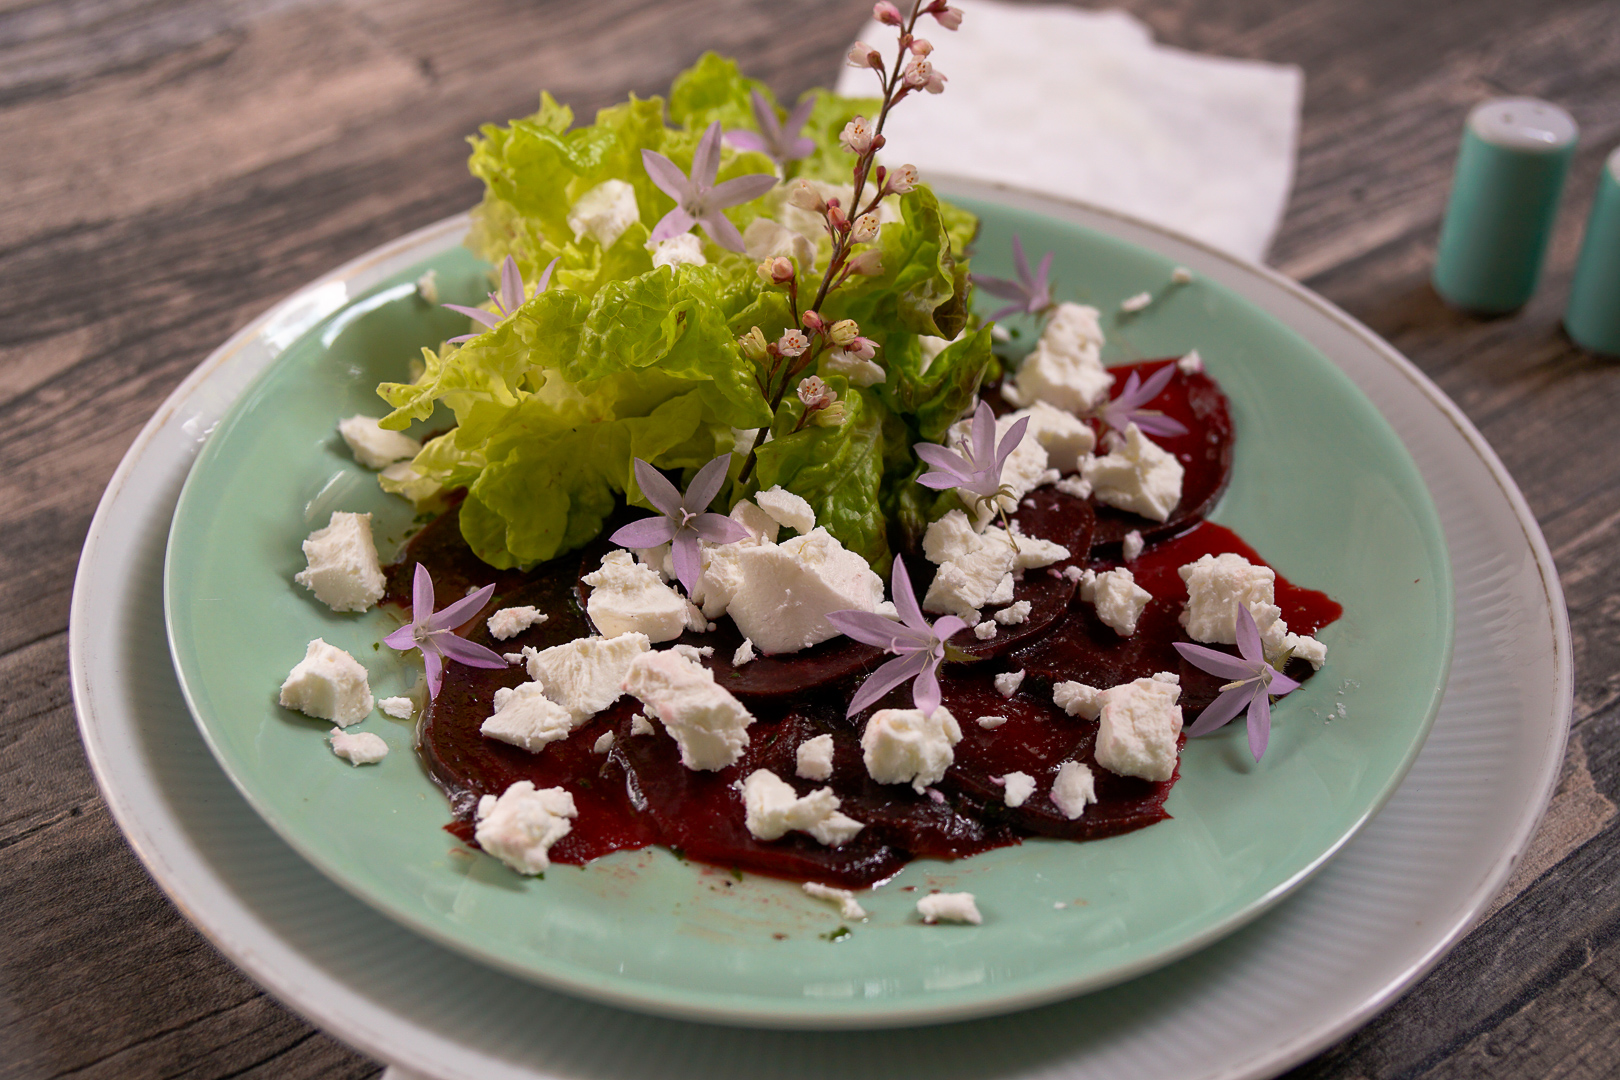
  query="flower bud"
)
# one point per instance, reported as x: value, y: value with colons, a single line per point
x: 813, y: 322
x: 868, y: 263
x: 835, y: 215
x: 776, y: 271
x: 816, y: 394
x: 950, y: 18
x: 843, y: 332
x: 832, y: 415
x: 862, y: 55
x: 862, y: 348
x: 792, y: 343
x: 856, y: 136
x: 754, y: 346
x: 921, y: 46
x: 886, y: 13
x: 903, y: 179
x: 804, y: 195
x: 866, y: 227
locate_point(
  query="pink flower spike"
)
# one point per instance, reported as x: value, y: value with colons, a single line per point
x: 1031, y: 293
x: 435, y: 632
x: 510, y: 297
x: 684, y: 522
x: 919, y: 648
x: 698, y: 199
x: 780, y: 142
x: 1126, y: 409
x: 1254, y: 682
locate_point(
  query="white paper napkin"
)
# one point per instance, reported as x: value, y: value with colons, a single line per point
x: 1084, y: 105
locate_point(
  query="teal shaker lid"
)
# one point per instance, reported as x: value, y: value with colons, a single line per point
x: 1593, y: 315
x: 1504, y: 196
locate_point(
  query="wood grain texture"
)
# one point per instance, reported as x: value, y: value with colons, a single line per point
x: 172, y: 167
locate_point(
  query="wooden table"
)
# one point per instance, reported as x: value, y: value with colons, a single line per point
x: 169, y: 168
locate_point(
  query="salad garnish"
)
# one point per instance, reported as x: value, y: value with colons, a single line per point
x: 1254, y: 683
x: 1126, y: 409
x: 1031, y: 293
x: 684, y: 522
x: 919, y: 648
x: 777, y: 140
x: 511, y: 296
x: 435, y: 632
x: 698, y: 199
x: 977, y: 467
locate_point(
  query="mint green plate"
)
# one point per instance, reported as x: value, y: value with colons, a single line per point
x: 1322, y: 488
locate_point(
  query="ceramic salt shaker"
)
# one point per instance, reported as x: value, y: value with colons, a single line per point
x: 1504, y: 196
x: 1593, y: 315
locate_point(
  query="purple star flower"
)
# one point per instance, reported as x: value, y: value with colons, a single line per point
x: 781, y: 142
x: 698, y: 199
x: 918, y: 647
x: 977, y: 468
x: 435, y: 634
x: 1126, y: 409
x: 683, y: 523
x: 510, y: 297
x: 1031, y: 293
x: 1254, y: 683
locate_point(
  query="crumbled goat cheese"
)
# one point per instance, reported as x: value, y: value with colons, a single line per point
x: 1304, y: 647
x: 767, y: 239
x: 760, y: 525
x: 1003, y: 592
x: 788, y: 509
x: 930, y: 347
x: 640, y: 725
x: 1191, y: 364
x: 957, y: 907
x: 1216, y: 584
x: 1132, y: 304
x: 1065, y: 369
x: 744, y: 653
x: 848, y: 906
x: 901, y: 746
x: 990, y: 723
x: 657, y: 559
x: 526, y: 718
x: 774, y: 809
x: 1021, y: 472
x: 1074, y: 573
x: 1078, y: 699
x: 1012, y: 616
x: 1073, y: 788
x: 604, y: 212
x: 627, y: 597
x: 520, y: 827
x: 1065, y: 437
x: 361, y: 748
x: 814, y: 758
x: 1138, y: 727
x: 1181, y: 275
x: 779, y: 594
x: 603, y: 743
x: 1019, y: 787
x: 706, y: 722
x: 985, y: 630
x: 1119, y: 600
x: 328, y: 684
x: 1131, y: 547
x: 1139, y: 476
x: 509, y: 622
x: 400, y: 708
x: 683, y: 250
x: 585, y: 675
x: 1076, y: 485
x: 975, y: 567
x: 375, y: 447
x: 1008, y: 682
x: 343, y: 570
x: 696, y: 654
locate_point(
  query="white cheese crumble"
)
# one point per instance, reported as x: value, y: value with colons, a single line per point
x: 1139, y: 724
x: 1216, y: 584
x: 1131, y: 547
x: 603, y: 743
x: 343, y: 570
x: 585, y: 675
x: 1139, y: 475
x: 520, y: 827
x: 1008, y: 682
x: 985, y: 630
x: 1119, y: 600
x: 786, y: 508
x: 526, y: 718
x: 1076, y: 485
x: 328, y: 684
x: 361, y: 748
x: 1003, y: 592
x: 706, y: 722
x: 400, y: 708
x: 1073, y: 788
x: 814, y: 758
x: 640, y: 725
x: 1181, y: 275
x: 1065, y: 369
x: 1065, y: 437
x: 509, y: 622
x: 1191, y: 364
x: 956, y: 907
x: 774, y: 809
x: 976, y: 568
x: 744, y: 653
x: 604, y: 212
x: 989, y: 723
x: 376, y: 447
x: 901, y: 746
x: 683, y: 250
x: 1019, y: 787
x: 1011, y: 616
x: 848, y: 906
x: 760, y: 525
x: 1305, y: 647
x: 695, y: 653
x: 1078, y: 699
x: 1132, y: 304
x: 629, y: 598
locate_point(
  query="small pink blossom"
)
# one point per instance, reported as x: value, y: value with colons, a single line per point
x: 886, y: 13
x: 921, y: 46
x: 903, y: 179
x: 805, y: 196
x: 920, y: 75
x: 862, y: 348
x: 856, y: 136
x: 792, y: 343
x: 950, y: 18
x: 862, y: 55
x: 866, y: 227
x: 868, y: 263
x: 816, y: 394
x: 813, y: 322
x: 776, y: 271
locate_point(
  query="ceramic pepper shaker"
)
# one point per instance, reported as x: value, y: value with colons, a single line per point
x: 1593, y: 315
x: 1504, y: 196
